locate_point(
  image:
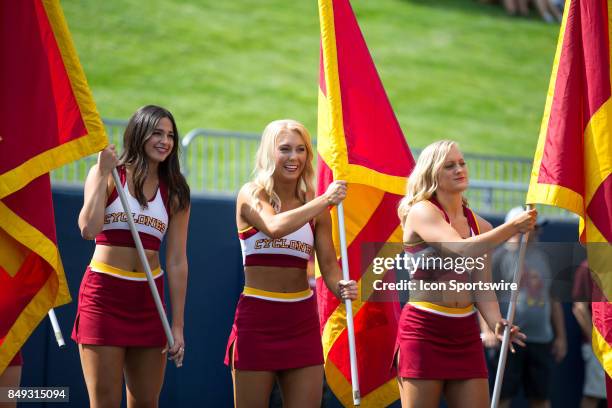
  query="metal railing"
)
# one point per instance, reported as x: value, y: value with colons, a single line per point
x: 220, y: 162
x: 74, y: 174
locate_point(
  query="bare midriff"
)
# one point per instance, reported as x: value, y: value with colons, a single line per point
x: 125, y: 258
x: 442, y: 297
x: 276, y: 279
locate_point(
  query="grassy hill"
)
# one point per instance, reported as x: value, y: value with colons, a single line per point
x: 452, y: 68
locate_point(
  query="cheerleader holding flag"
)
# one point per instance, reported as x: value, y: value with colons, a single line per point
x: 360, y: 141
x: 572, y: 166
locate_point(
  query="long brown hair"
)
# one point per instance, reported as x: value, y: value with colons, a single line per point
x: 137, y: 132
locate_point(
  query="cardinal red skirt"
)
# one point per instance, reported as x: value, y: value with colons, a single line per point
x: 116, y: 311
x: 438, y: 343
x: 275, y: 331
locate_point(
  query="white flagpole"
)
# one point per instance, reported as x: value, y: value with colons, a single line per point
x: 501, y: 365
x: 349, y: 309
x: 56, y: 329
x: 143, y: 258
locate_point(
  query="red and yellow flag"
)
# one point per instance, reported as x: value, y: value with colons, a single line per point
x: 47, y: 119
x: 360, y: 141
x: 573, y: 161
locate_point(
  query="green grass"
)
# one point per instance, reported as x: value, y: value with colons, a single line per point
x: 452, y: 68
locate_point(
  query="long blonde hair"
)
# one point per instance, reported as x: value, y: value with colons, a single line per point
x: 423, y: 181
x: 265, y: 164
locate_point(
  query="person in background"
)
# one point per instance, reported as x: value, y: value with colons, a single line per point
x: 549, y: 12
x: 594, y: 388
x: 514, y: 7
x: 538, y: 315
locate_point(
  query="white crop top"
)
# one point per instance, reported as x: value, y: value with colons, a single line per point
x: 151, y: 222
x: 292, y: 250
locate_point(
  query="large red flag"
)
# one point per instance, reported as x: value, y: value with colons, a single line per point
x: 360, y: 141
x: 47, y: 119
x: 573, y: 161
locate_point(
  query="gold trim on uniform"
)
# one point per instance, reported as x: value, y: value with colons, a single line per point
x: 101, y: 267
x: 413, y: 244
x: 277, y: 296
x: 444, y: 310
